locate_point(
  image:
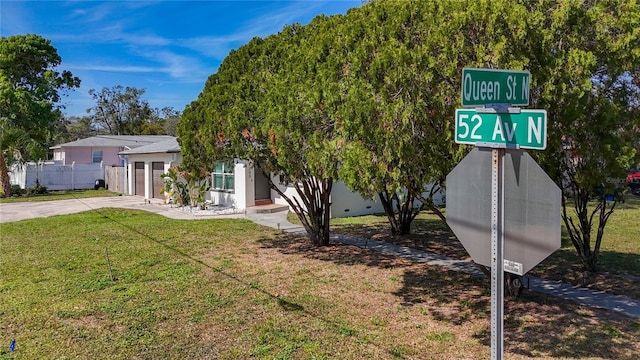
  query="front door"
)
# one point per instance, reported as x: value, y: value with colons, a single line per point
x: 158, y: 183
x: 263, y: 191
x: 139, y: 187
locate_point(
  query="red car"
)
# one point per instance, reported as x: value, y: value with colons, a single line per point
x: 633, y: 181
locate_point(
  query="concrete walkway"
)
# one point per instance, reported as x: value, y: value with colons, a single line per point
x: 28, y: 210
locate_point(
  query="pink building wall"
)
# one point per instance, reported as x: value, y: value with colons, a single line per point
x: 84, y: 155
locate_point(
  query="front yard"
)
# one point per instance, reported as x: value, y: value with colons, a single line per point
x: 125, y: 284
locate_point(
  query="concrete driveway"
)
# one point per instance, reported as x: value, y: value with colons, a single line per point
x: 29, y: 210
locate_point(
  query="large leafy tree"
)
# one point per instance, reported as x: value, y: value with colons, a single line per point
x: 30, y: 91
x: 403, y: 87
x: 583, y: 58
x: 122, y: 111
x: 270, y: 102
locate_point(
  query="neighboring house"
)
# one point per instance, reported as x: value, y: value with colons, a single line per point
x: 102, y: 149
x: 146, y: 164
x: 83, y: 164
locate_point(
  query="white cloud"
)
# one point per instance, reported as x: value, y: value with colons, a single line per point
x: 269, y: 23
x: 112, y: 68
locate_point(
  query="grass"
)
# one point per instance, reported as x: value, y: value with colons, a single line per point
x: 60, y: 195
x: 124, y: 284
x: 619, y: 257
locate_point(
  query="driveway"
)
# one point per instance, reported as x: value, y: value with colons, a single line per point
x: 10, y: 212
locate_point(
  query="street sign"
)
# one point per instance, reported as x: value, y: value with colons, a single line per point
x: 531, y: 209
x: 493, y: 86
x: 526, y: 129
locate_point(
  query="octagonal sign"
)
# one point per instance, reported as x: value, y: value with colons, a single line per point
x: 531, y: 209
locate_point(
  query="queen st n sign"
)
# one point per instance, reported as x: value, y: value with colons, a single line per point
x: 494, y: 86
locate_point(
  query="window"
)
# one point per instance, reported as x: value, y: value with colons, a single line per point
x: 223, y: 176
x: 97, y: 156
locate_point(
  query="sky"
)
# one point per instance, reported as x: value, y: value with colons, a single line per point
x: 168, y: 48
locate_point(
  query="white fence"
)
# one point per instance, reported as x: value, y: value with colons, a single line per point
x: 55, y: 176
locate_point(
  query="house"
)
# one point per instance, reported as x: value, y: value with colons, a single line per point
x: 235, y: 183
x: 241, y: 184
x: 101, y: 149
x: 146, y: 164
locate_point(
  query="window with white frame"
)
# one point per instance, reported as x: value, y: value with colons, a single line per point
x: 223, y: 176
x: 97, y: 156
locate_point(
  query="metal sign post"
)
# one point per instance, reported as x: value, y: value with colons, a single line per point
x: 497, y: 253
x: 530, y: 207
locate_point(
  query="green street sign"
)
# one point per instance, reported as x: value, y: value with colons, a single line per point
x: 525, y: 130
x: 493, y: 86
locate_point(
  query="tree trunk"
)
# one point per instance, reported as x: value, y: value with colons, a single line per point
x: 580, y: 233
x: 401, y: 218
x: 5, y: 180
x: 387, y: 204
x: 428, y: 201
x: 313, y: 208
x: 406, y: 214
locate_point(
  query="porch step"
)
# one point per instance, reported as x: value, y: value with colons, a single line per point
x: 267, y: 209
x: 264, y: 202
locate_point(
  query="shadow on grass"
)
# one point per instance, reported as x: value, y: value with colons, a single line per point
x: 337, y: 253
x: 449, y: 296
x: 539, y: 324
x: 426, y: 234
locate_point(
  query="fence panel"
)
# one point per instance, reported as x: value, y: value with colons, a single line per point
x: 115, y: 178
x: 57, y: 177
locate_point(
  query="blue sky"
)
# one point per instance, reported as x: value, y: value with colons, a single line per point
x: 168, y: 48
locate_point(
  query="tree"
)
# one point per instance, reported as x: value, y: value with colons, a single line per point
x: 585, y: 69
x: 271, y: 102
x: 30, y: 89
x: 403, y: 84
x: 169, y: 118
x: 74, y: 128
x: 122, y: 111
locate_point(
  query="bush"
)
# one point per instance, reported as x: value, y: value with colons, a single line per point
x: 16, y: 190
x: 37, y: 189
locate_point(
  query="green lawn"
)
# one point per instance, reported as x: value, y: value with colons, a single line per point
x: 123, y: 284
x: 60, y: 195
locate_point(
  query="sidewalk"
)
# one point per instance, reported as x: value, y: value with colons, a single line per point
x: 278, y: 220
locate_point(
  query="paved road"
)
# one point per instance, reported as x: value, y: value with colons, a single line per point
x: 20, y: 211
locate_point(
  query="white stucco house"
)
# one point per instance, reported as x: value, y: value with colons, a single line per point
x: 234, y: 183
x: 240, y: 184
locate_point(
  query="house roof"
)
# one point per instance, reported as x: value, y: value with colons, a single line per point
x: 169, y: 145
x: 126, y: 141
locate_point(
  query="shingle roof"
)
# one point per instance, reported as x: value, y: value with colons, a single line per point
x: 129, y: 141
x: 166, y: 146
